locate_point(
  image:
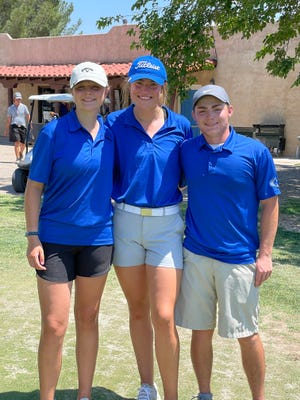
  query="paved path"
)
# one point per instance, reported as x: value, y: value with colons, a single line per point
x: 288, y: 171
x: 7, y: 167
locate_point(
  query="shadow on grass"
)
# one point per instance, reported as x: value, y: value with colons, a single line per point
x: 289, y: 182
x: 15, y: 203
x: 8, y: 189
x: 100, y: 393
x: 286, y: 248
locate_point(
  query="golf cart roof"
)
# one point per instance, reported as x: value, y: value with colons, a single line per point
x: 62, y: 97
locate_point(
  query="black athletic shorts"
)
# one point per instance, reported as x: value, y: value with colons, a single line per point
x: 65, y: 262
x: 17, y: 133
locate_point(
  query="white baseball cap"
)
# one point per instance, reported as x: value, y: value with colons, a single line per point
x: 88, y: 71
x: 18, y: 95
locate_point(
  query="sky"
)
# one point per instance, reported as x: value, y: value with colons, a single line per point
x: 91, y: 10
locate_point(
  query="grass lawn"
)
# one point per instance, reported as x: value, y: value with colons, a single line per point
x: 116, y: 376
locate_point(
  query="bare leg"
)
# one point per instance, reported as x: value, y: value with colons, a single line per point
x: 133, y: 281
x: 202, y: 358
x: 88, y: 293
x: 22, y: 148
x: 55, y: 306
x: 254, y: 364
x: 164, y: 286
x: 17, y: 147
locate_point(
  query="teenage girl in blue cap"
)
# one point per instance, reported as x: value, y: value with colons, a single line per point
x: 148, y: 226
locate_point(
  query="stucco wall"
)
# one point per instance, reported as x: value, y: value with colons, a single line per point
x: 110, y: 47
x: 257, y: 97
x: 3, y: 108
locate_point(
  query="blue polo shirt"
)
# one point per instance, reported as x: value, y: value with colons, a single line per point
x: 147, y: 170
x: 225, y: 187
x: 77, y: 173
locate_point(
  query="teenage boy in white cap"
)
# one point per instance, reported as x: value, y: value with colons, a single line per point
x: 70, y: 236
x: 17, y: 119
x: 228, y: 176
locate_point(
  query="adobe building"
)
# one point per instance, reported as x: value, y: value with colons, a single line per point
x: 44, y: 64
x: 265, y: 107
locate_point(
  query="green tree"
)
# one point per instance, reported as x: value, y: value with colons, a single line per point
x: 181, y: 32
x: 36, y: 18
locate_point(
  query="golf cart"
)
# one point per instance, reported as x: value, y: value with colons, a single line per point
x: 19, y: 177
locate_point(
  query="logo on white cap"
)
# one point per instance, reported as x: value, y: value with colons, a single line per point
x: 87, y: 69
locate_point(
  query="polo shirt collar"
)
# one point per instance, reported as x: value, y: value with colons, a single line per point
x: 131, y: 120
x: 74, y: 124
x: 228, y: 145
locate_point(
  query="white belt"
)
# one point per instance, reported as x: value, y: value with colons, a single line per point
x: 149, y: 212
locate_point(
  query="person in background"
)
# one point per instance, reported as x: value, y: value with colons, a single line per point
x: 70, y: 238
x: 64, y: 108
x: 18, y: 117
x: 53, y: 115
x: 229, y: 176
x: 148, y: 226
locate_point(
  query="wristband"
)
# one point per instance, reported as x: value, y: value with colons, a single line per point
x: 31, y: 233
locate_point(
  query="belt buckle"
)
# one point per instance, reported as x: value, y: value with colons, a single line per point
x: 146, y: 212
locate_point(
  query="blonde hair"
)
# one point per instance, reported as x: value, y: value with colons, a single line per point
x: 125, y: 94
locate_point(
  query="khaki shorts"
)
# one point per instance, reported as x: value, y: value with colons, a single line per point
x: 212, y: 291
x: 148, y: 240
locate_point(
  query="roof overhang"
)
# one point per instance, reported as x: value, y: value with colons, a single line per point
x: 12, y: 75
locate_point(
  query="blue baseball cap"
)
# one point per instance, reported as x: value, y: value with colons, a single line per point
x: 211, y: 90
x: 148, y: 67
